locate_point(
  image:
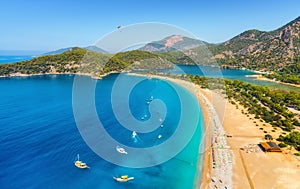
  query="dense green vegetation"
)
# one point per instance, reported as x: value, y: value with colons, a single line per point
x: 78, y: 60
x: 275, y: 51
x: 176, y: 57
x: 44, y: 64
x: 137, y: 59
x: 292, y: 139
x: 270, y: 106
x: 288, y: 74
x: 239, y: 42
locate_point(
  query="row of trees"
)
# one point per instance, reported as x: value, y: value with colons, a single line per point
x: 268, y: 105
x: 271, y: 106
x: 292, y: 139
x: 288, y: 74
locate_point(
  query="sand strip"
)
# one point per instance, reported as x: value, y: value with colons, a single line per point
x: 233, y: 130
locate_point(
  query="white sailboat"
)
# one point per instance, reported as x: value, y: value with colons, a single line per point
x: 123, y: 178
x: 134, y: 134
x: 80, y: 164
x: 121, y: 150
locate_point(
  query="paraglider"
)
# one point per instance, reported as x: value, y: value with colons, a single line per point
x: 119, y: 27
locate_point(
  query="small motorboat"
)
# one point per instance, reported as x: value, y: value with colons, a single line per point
x: 121, y: 150
x: 134, y: 134
x: 159, y: 136
x: 80, y: 164
x: 123, y: 178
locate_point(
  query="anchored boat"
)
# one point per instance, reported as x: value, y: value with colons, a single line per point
x: 133, y: 134
x: 123, y: 178
x: 121, y: 150
x: 80, y: 164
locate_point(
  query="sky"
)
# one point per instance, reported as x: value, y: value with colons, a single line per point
x: 44, y: 25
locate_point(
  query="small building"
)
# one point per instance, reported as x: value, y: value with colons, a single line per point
x: 270, y: 147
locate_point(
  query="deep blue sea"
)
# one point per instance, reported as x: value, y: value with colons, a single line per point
x: 39, y: 139
x: 12, y: 59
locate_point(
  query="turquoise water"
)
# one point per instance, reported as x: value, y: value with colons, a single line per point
x: 39, y: 139
x: 233, y: 74
x: 12, y: 59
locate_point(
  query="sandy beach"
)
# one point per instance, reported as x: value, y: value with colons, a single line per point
x: 231, y: 155
x: 228, y: 131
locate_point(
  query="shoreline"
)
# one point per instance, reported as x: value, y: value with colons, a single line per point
x: 258, y: 76
x: 18, y: 74
x: 240, y: 135
x: 213, y: 128
x: 262, y: 78
x: 282, y: 169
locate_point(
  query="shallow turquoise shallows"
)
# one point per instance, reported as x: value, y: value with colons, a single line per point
x: 39, y: 139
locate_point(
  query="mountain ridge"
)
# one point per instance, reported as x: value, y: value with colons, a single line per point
x: 257, y: 50
x: 276, y: 52
x: 62, y: 50
x: 173, y: 43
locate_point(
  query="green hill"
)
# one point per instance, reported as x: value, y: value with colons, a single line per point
x: 276, y: 52
x: 82, y: 61
x: 260, y: 50
x: 61, y: 63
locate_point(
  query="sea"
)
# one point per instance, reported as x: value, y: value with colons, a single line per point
x: 247, y: 76
x: 13, y: 59
x: 39, y: 138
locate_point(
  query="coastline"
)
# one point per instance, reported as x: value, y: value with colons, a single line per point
x: 213, y: 155
x: 258, y: 76
x: 262, y: 78
x: 235, y: 130
x: 18, y: 74
x: 281, y: 169
x: 213, y: 128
